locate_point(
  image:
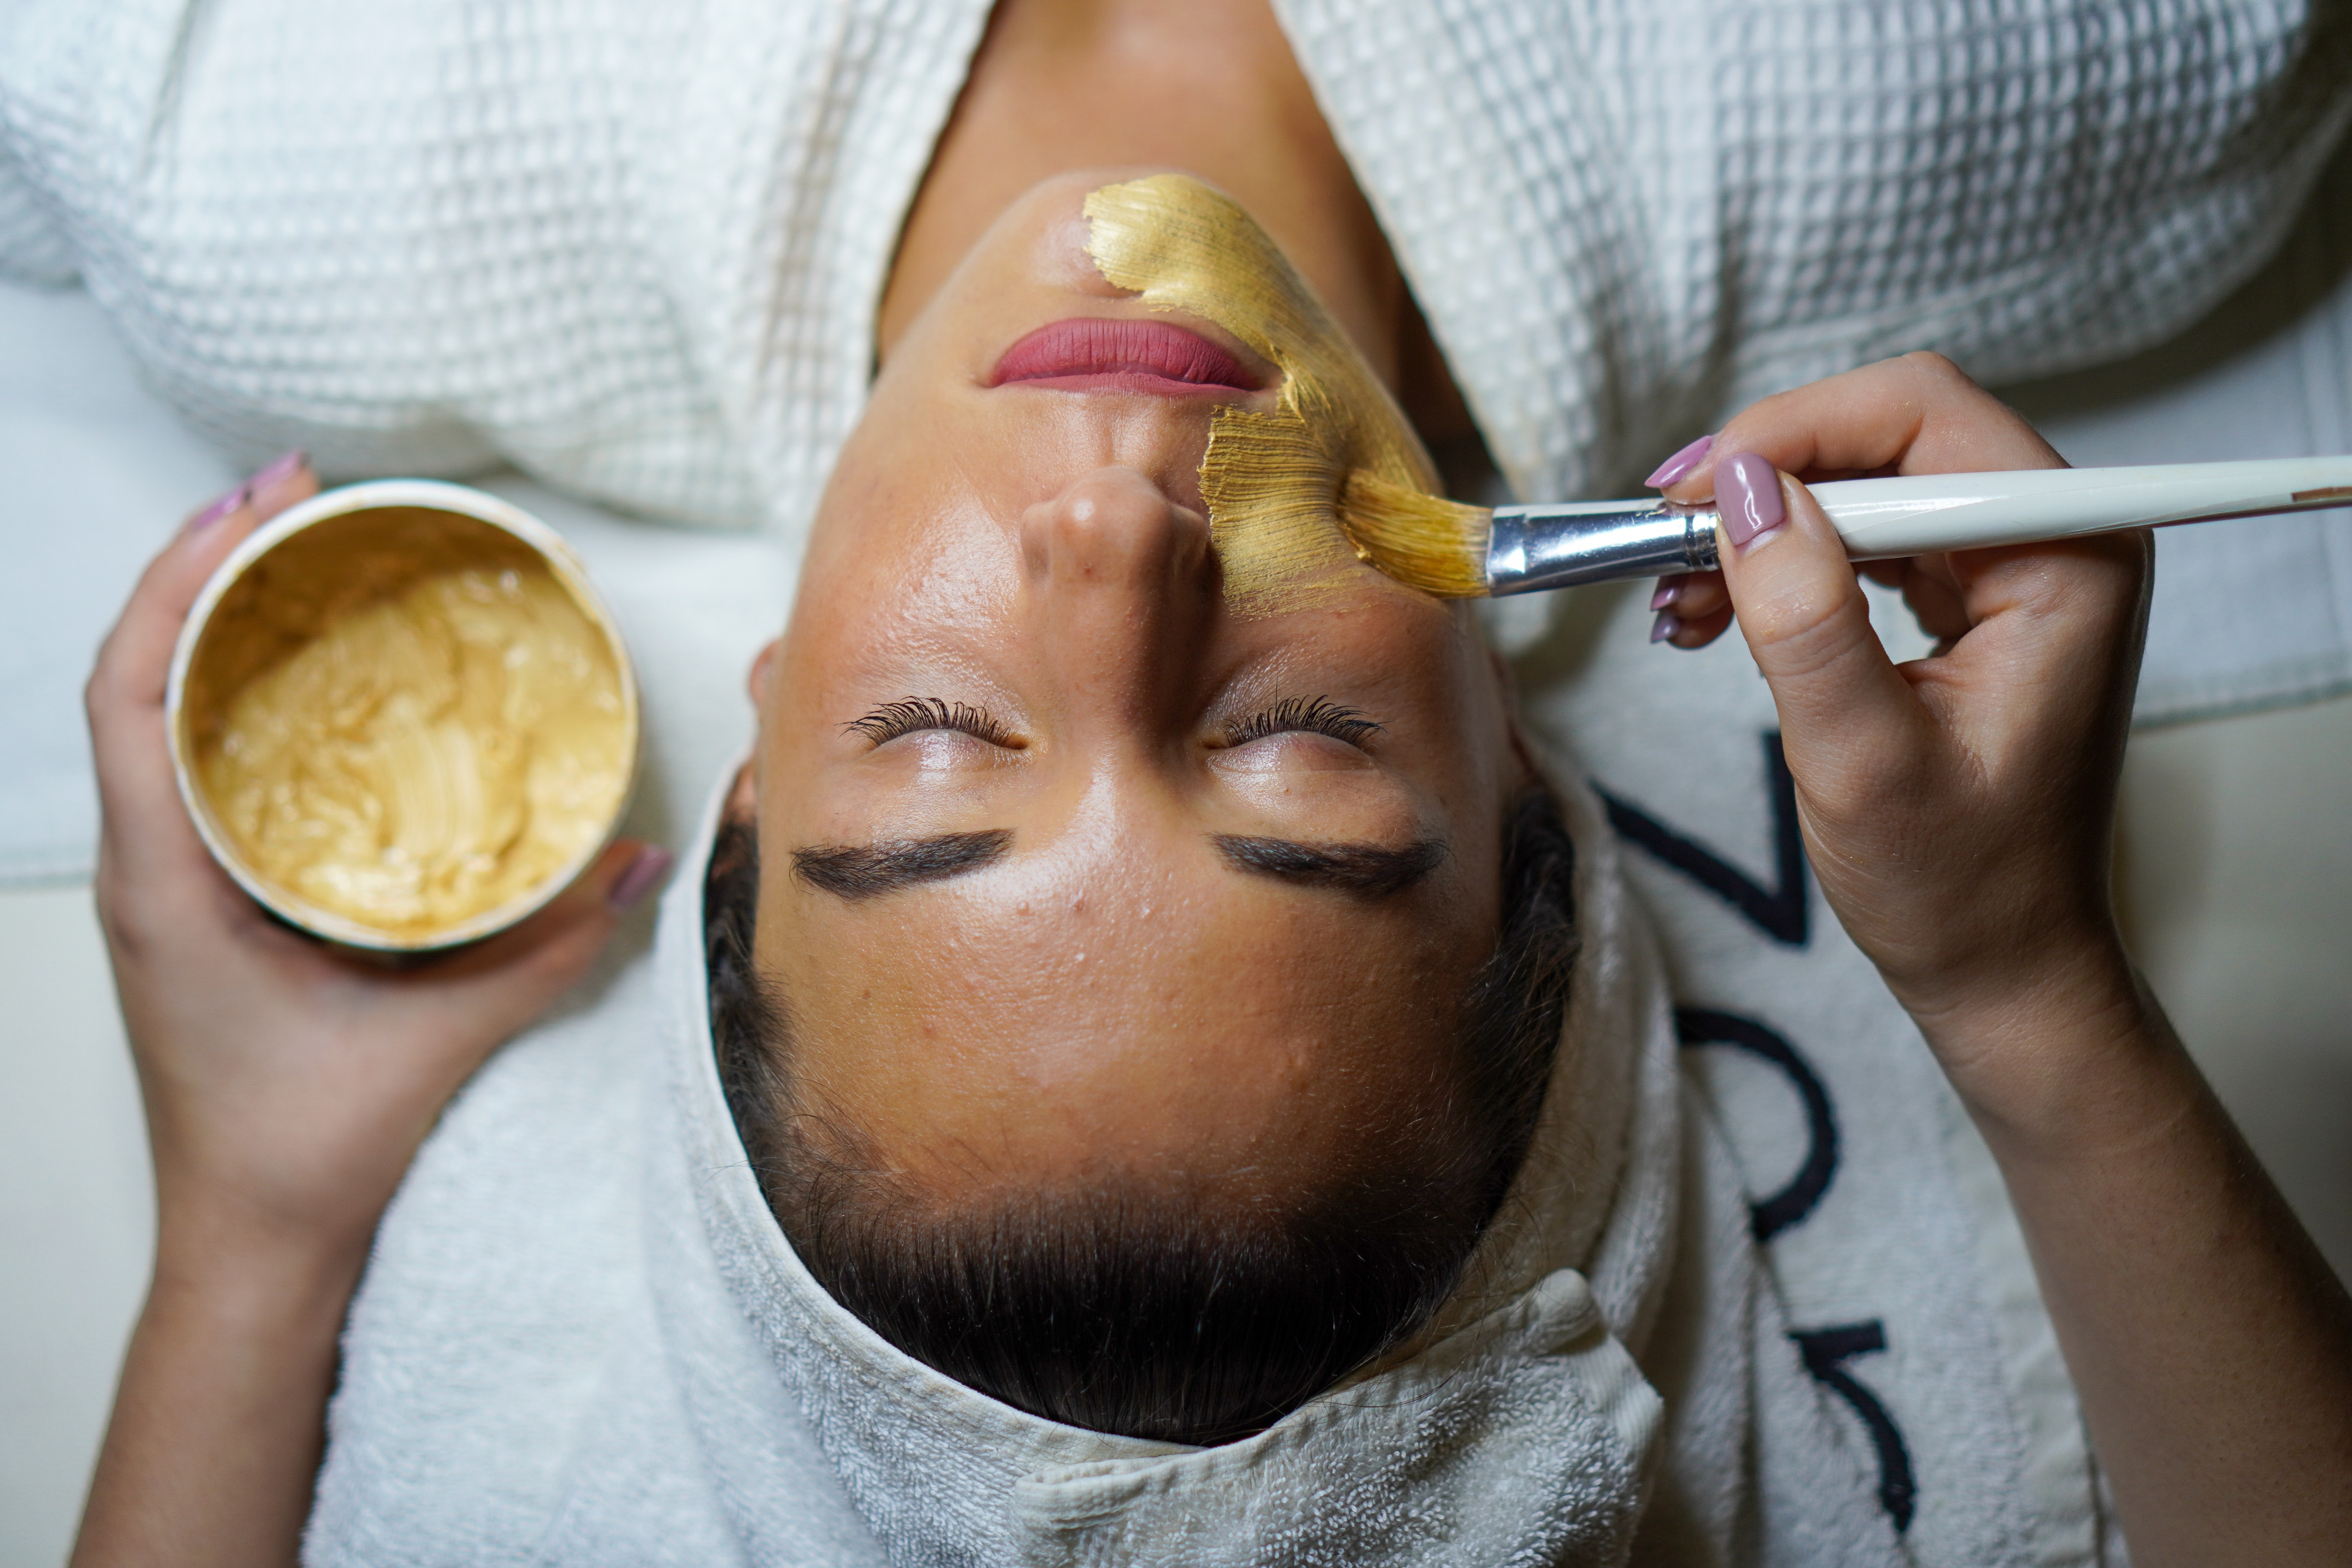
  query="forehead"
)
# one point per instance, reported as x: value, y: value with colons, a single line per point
x: 1159, y: 1014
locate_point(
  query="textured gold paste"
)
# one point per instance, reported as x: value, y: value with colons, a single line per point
x: 404, y: 719
x: 1271, y: 481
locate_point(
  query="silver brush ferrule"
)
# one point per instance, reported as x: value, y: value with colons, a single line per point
x: 1536, y: 548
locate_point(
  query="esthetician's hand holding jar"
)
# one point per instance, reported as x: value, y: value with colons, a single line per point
x: 286, y: 1087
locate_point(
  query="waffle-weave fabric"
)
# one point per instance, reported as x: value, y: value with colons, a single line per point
x: 636, y: 251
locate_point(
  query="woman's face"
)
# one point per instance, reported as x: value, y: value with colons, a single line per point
x: 1067, y: 870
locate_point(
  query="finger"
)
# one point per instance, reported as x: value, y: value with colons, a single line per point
x: 1803, y: 611
x: 2063, y: 622
x: 143, y: 819
x: 503, y: 983
x: 597, y: 900
x: 1689, y: 609
x: 124, y: 698
x: 287, y: 482
x: 1915, y: 414
x: 1935, y: 602
x: 1672, y: 629
x: 1693, y: 595
x: 136, y: 657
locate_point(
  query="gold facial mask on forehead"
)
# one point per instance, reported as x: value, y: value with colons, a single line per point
x: 1271, y: 481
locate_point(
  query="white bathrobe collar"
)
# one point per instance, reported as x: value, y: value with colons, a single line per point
x: 1517, y: 1429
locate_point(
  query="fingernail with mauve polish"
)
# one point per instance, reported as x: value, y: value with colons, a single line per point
x: 1680, y: 464
x: 283, y: 466
x: 653, y: 862
x: 218, y: 509
x: 1667, y: 593
x: 1748, y: 496
x: 1664, y: 626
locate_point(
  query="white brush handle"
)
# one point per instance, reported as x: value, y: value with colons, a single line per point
x: 1531, y: 549
x: 1920, y: 513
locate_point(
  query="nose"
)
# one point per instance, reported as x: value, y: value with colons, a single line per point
x: 1121, y: 583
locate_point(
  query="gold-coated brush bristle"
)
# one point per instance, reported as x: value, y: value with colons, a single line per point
x: 1422, y: 541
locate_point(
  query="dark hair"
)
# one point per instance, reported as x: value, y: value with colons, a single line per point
x: 1141, y: 1311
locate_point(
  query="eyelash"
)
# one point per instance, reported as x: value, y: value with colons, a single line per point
x: 911, y: 716
x: 1319, y: 715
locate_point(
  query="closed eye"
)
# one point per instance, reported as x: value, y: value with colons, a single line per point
x: 1317, y: 716
x: 911, y: 716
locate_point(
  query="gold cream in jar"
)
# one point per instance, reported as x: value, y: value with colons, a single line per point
x: 400, y: 717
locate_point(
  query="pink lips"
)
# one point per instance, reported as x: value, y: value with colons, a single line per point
x: 1090, y: 353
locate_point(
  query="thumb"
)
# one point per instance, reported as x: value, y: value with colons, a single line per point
x: 503, y: 983
x: 1802, y: 611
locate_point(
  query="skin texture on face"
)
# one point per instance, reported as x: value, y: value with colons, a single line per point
x: 1122, y: 883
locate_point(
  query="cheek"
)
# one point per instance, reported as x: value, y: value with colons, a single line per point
x: 1056, y: 254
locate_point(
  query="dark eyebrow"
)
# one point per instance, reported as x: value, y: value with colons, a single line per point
x: 1369, y: 872
x: 865, y: 871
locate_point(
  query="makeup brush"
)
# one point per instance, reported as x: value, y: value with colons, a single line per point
x: 1459, y: 551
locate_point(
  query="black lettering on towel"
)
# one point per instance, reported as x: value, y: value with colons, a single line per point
x: 1772, y: 1214
x: 1779, y: 911
x: 1826, y: 1352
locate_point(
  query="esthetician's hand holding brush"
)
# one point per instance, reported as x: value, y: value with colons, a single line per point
x: 286, y: 1088
x: 1959, y: 811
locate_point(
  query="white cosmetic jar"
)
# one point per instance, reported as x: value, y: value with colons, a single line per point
x: 402, y: 718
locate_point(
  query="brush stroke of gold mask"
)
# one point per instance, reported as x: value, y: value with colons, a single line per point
x: 1271, y: 481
